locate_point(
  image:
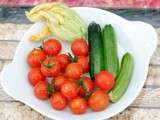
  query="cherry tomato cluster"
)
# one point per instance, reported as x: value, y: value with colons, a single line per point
x: 62, y: 77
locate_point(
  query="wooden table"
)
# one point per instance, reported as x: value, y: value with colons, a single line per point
x: 145, y: 107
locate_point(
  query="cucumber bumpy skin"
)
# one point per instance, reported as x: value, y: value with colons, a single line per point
x: 110, y: 53
x: 95, y: 48
x: 123, y: 78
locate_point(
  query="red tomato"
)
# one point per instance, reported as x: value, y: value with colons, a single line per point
x: 36, y: 57
x: 40, y: 90
x: 52, y: 46
x: 35, y: 75
x: 58, y: 101
x: 84, y: 62
x: 74, y: 71
x: 50, y: 67
x: 63, y: 60
x: 98, y: 101
x: 78, y: 105
x: 59, y: 81
x: 79, y: 47
x: 71, y: 80
x: 69, y: 90
x: 87, y: 86
x: 104, y: 80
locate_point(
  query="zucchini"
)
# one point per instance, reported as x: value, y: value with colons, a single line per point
x: 111, y: 63
x: 95, y: 48
x: 123, y: 78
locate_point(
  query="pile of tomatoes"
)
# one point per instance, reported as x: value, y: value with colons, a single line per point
x: 62, y: 77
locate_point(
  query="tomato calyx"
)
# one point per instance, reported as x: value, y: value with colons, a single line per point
x: 50, y: 89
x: 80, y: 83
x: 87, y: 95
x: 73, y: 59
x: 49, y: 64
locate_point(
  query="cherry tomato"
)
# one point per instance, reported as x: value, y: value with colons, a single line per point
x: 52, y: 46
x: 36, y: 57
x: 40, y: 90
x: 87, y: 86
x: 50, y: 67
x: 59, y: 81
x: 35, y: 75
x: 98, y: 101
x: 63, y: 60
x: 79, y: 47
x: 58, y: 101
x: 104, y: 80
x: 69, y: 90
x: 78, y: 106
x: 71, y: 80
x: 74, y: 71
x: 84, y: 62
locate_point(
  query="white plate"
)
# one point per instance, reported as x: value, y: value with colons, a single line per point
x: 138, y: 38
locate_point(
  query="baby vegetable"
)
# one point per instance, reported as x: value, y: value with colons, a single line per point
x: 36, y: 57
x: 52, y: 47
x: 44, y: 33
x: 98, y: 101
x: 110, y: 55
x: 96, y: 49
x: 78, y: 105
x: 35, y: 75
x: 123, y: 78
x: 63, y: 22
x: 58, y: 101
x: 42, y: 90
x: 79, y: 47
x: 69, y: 90
x: 74, y: 71
x: 104, y: 80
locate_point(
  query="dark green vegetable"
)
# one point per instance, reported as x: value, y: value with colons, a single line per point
x: 111, y: 62
x: 123, y: 78
x: 96, y: 48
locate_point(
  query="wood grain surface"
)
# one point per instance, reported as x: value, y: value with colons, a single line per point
x: 148, y: 100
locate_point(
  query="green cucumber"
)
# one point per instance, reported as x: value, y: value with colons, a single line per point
x: 111, y: 62
x: 123, y: 78
x: 96, y: 49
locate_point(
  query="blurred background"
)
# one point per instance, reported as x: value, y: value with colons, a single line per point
x: 144, y: 10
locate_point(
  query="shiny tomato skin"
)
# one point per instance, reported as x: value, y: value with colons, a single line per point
x: 52, y: 47
x: 84, y: 62
x: 35, y: 75
x: 36, y: 57
x: 78, y: 105
x: 58, y: 101
x: 79, y: 47
x: 104, y: 80
x: 69, y: 90
x: 50, y: 67
x: 98, y: 101
x: 74, y: 71
x: 40, y: 90
x: 63, y: 60
x: 59, y: 81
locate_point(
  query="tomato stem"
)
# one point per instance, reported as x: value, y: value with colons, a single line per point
x: 72, y: 58
x: 50, y: 89
x: 40, y: 47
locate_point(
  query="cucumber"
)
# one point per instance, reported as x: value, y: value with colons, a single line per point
x: 123, y: 78
x: 111, y: 63
x: 95, y: 48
